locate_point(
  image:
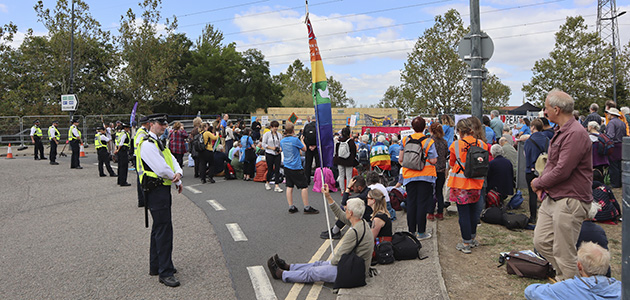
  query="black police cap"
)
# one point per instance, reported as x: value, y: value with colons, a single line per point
x: 55, y: 122
x: 160, y: 118
x: 100, y: 128
x: 125, y: 125
x: 75, y: 121
x: 143, y: 119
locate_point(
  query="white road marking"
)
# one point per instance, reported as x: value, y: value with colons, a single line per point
x: 236, y: 232
x: 192, y: 189
x: 260, y: 281
x: 196, y: 184
x: 216, y: 205
x: 297, y: 287
x: 113, y: 166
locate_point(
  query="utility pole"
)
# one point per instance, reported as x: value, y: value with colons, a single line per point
x: 476, y: 72
x: 608, y: 32
x: 72, y: 56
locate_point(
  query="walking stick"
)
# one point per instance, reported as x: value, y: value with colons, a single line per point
x: 64, y: 148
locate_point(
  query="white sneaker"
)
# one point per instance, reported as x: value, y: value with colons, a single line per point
x: 267, y: 186
x: 278, y: 189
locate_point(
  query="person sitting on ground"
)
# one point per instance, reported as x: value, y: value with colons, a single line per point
x: 592, y: 232
x: 509, y: 152
x: 379, y: 155
x: 372, y: 179
x: 358, y: 186
x: 500, y: 173
x: 220, y: 161
x: 235, y: 148
x: 381, y: 223
x: 591, y: 283
x: 326, y: 271
x: 236, y: 163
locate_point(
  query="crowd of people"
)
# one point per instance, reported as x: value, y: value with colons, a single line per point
x: 367, y: 166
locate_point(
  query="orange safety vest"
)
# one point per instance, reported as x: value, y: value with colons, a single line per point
x: 429, y: 169
x: 456, y: 177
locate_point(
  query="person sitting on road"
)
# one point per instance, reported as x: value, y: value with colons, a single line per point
x: 381, y: 222
x: 326, y: 271
x: 593, y: 262
x: 220, y: 161
x: 357, y: 185
x: 372, y: 179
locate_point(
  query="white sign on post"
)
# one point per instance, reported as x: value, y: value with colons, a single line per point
x: 69, y: 102
x: 264, y: 120
x: 353, y: 120
x: 406, y: 133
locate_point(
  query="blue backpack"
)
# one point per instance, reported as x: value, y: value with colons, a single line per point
x: 516, y: 200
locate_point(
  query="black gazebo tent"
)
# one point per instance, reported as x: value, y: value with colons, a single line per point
x: 523, y: 109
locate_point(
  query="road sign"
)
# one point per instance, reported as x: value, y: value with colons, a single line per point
x: 464, y: 48
x: 69, y: 102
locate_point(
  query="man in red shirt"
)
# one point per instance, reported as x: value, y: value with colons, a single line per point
x: 564, y: 187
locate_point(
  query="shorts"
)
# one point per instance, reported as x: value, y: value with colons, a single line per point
x: 295, y: 178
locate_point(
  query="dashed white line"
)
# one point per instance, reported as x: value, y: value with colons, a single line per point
x: 236, y: 232
x: 260, y: 281
x: 216, y: 205
x: 193, y: 190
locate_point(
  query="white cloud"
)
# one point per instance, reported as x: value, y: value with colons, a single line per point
x: 19, y: 37
x: 4, y: 8
x: 367, y: 89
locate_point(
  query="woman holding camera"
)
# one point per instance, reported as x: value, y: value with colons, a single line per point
x: 271, y: 144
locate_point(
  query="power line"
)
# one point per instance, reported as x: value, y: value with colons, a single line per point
x: 222, y: 8
x: 344, y: 16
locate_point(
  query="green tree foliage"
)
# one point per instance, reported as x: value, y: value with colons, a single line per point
x: 297, y: 90
x: 434, y: 78
x: 579, y: 64
x: 221, y: 79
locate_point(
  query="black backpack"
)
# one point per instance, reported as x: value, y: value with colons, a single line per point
x: 384, y: 253
x: 477, y: 160
x: 198, y: 144
x: 605, y: 144
x: 406, y: 246
x: 493, y: 215
x: 310, y: 134
x: 515, y: 221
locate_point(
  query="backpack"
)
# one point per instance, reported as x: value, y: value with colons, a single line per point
x: 310, y: 134
x: 606, y: 199
x: 230, y: 174
x: 493, y: 215
x: 525, y: 265
x: 396, y: 198
x: 493, y: 199
x: 198, y: 143
x: 414, y: 154
x: 605, y: 144
x: 343, y: 150
x: 477, y: 160
x: 541, y: 161
x: 406, y: 246
x: 384, y: 253
x: 515, y: 221
x: 364, y: 154
x: 516, y: 200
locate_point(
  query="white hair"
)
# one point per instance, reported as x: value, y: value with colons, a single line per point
x: 625, y: 110
x: 381, y: 139
x: 497, y: 150
x: 594, y: 258
x: 594, y: 125
x: 494, y: 113
x: 365, y: 138
x: 562, y: 100
x: 394, y: 139
x: 357, y: 207
x: 220, y: 147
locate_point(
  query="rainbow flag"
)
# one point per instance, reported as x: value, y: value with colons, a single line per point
x: 321, y: 100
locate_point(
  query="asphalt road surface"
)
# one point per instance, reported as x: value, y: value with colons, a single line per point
x: 262, y: 226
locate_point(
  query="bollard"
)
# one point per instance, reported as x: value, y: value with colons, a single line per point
x: 625, y: 230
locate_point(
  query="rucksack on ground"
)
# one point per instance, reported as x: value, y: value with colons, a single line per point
x: 363, y: 154
x: 406, y: 246
x: 414, y: 156
x: 605, y: 144
x: 229, y: 174
x: 492, y: 215
x: 493, y: 199
x: 527, y: 264
x: 516, y: 200
x: 610, y: 210
x: 384, y: 253
x: 343, y: 149
x: 515, y: 221
x: 477, y: 160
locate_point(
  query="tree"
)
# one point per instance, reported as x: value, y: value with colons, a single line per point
x: 434, y: 78
x: 495, y: 90
x: 579, y: 65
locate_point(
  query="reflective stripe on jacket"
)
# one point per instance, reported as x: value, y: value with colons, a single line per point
x: 456, y: 177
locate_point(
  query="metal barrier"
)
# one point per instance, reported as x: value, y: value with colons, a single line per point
x: 10, y: 129
x: 91, y: 122
x: 44, y: 123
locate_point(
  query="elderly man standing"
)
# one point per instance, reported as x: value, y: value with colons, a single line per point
x: 496, y: 124
x: 591, y: 283
x: 615, y: 130
x: 564, y: 187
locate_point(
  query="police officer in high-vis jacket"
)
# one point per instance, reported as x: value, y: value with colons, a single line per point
x: 122, y: 150
x: 54, y: 137
x: 159, y: 171
x: 74, y: 136
x: 36, y: 138
x: 100, y: 143
x: 142, y: 131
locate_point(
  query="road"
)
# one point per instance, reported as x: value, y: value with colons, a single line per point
x: 263, y: 227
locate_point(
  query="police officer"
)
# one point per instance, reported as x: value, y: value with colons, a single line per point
x: 160, y: 170
x: 100, y: 142
x: 36, y: 138
x: 74, y: 135
x: 54, y: 137
x: 145, y: 126
x: 122, y: 150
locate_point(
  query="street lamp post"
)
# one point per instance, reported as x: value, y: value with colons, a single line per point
x: 614, y: 54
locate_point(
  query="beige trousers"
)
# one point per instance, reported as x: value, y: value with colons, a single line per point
x: 557, y: 231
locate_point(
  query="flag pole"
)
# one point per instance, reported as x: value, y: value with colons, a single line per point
x: 321, y: 157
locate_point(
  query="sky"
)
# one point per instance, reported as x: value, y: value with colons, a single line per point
x: 364, y: 43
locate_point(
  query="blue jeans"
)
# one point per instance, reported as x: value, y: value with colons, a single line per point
x: 468, y: 219
x: 481, y: 204
x: 317, y: 271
